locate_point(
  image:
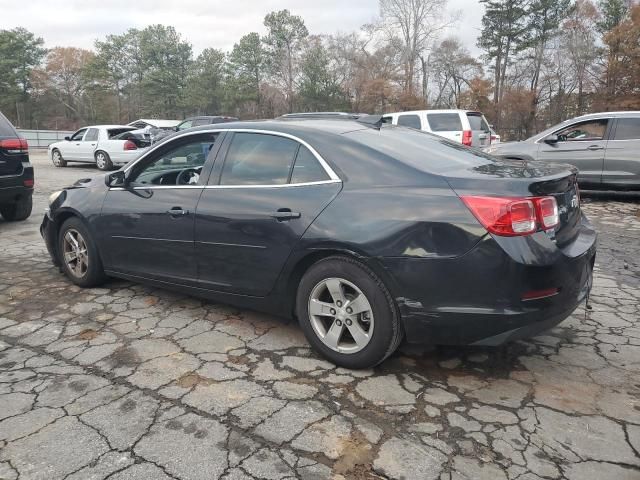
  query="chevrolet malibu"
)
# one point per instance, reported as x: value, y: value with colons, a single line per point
x: 366, y: 233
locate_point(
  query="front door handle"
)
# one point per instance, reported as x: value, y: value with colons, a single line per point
x: 284, y: 214
x: 595, y: 147
x: 177, y: 212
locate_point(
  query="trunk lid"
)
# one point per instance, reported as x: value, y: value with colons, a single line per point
x: 519, y: 179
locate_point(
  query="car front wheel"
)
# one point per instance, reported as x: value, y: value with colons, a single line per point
x: 78, y: 254
x: 347, y: 313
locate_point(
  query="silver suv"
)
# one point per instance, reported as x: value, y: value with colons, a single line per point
x: 604, y: 146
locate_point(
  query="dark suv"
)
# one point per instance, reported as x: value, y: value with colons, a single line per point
x: 203, y: 120
x: 16, y: 174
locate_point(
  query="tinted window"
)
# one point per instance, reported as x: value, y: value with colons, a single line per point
x: 92, y: 135
x: 78, y: 135
x: 202, y: 121
x: 589, y: 130
x: 307, y: 168
x: 477, y: 122
x: 412, y: 121
x: 258, y: 159
x: 444, y: 122
x: 185, y: 125
x: 163, y: 169
x: 388, y: 120
x: 6, y: 129
x: 628, y: 129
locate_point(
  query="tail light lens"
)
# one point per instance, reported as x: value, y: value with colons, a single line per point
x: 28, y: 183
x: 129, y: 145
x: 511, y: 217
x: 15, y: 145
x: 467, y: 136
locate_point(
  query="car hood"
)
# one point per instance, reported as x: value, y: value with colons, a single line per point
x: 87, y: 182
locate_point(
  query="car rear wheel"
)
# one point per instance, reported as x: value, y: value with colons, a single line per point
x: 20, y: 210
x: 56, y: 158
x: 347, y: 313
x: 78, y: 254
x: 103, y: 161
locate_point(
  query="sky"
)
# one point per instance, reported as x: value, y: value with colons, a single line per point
x: 203, y: 23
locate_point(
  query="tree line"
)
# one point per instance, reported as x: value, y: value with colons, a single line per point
x: 542, y: 61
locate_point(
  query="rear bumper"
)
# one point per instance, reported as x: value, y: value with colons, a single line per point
x: 478, y: 298
x: 14, y: 193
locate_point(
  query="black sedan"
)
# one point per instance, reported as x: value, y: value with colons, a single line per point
x: 366, y: 233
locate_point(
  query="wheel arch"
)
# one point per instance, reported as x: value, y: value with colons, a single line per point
x: 62, y: 216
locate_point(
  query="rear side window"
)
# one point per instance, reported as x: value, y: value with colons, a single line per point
x: 92, y: 135
x: 412, y: 121
x: 628, y: 129
x: 444, y: 122
x: 201, y: 121
x: 258, y: 159
x: 477, y: 122
x: 307, y: 168
x: 6, y: 129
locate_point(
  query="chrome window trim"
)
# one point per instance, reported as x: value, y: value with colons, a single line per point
x: 207, y: 187
x: 329, y: 171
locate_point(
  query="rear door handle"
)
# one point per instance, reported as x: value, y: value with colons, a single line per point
x: 177, y: 211
x: 595, y: 147
x: 284, y: 214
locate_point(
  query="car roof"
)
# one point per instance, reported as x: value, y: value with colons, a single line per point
x: 107, y: 126
x: 292, y: 126
x: 435, y: 111
x: 628, y: 113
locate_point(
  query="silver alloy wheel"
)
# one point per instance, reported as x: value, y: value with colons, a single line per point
x: 56, y: 157
x: 341, y: 315
x: 101, y: 160
x: 75, y: 253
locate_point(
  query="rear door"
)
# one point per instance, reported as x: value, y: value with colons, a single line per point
x: 480, y: 131
x: 447, y: 125
x: 581, y: 144
x: 622, y: 157
x: 265, y: 190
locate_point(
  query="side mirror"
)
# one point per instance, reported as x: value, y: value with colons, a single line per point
x: 551, y: 139
x: 116, y: 179
x: 67, y: 138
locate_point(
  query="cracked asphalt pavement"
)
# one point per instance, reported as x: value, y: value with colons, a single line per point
x: 133, y: 382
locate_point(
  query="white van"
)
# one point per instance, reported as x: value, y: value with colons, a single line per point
x: 463, y: 126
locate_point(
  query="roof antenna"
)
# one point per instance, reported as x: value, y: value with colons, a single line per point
x: 374, y: 121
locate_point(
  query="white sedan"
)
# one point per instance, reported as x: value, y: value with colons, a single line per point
x: 104, y: 145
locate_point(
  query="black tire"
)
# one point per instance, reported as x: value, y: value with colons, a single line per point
x: 94, y: 274
x: 103, y: 161
x: 387, y: 331
x: 56, y: 158
x: 20, y: 210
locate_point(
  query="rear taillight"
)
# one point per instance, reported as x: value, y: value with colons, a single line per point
x: 15, y: 145
x: 511, y: 217
x: 467, y: 136
x: 28, y: 183
x: 129, y: 145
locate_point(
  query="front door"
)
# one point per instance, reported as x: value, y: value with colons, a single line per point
x: 263, y: 194
x: 70, y: 149
x: 88, y: 145
x: 147, y: 227
x: 581, y: 144
x: 622, y: 160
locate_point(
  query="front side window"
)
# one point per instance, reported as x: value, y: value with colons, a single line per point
x: 444, y: 122
x: 78, y: 135
x: 177, y: 164
x: 590, y: 130
x: 258, y: 159
x: 388, y: 120
x: 628, y: 129
x: 412, y: 121
x: 185, y: 125
x: 92, y: 135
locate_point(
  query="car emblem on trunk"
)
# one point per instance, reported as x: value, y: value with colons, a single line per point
x: 574, y: 201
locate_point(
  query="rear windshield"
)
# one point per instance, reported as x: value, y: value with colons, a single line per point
x: 421, y: 150
x: 477, y: 122
x: 444, y: 122
x: 113, y: 132
x: 6, y: 129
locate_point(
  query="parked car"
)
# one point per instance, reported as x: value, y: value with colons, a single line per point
x: 365, y: 232
x: 203, y: 120
x: 467, y: 127
x: 603, y: 146
x: 16, y: 174
x: 99, y: 144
